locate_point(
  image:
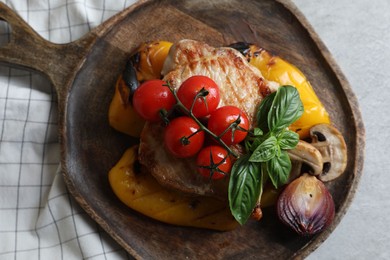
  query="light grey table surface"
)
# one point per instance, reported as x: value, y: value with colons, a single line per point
x: 357, y: 33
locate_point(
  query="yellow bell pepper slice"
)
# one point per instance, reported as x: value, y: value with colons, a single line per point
x: 150, y: 60
x: 121, y: 115
x: 276, y: 69
x: 141, y: 192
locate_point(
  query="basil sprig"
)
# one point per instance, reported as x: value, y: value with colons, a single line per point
x: 266, y: 151
x: 245, y: 187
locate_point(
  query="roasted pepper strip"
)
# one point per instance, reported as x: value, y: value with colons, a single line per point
x: 121, y: 114
x: 141, y: 192
x: 276, y: 69
x: 150, y: 58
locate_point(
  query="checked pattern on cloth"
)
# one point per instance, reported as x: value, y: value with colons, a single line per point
x: 38, y: 217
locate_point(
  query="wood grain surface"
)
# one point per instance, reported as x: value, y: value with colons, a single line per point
x: 84, y: 73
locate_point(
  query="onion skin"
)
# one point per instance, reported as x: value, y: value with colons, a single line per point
x: 306, y: 206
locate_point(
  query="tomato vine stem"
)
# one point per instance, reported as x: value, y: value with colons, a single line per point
x: 202, y: 127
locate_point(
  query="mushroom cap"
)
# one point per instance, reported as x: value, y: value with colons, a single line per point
x: 305, y: 154
x: 330, y: 143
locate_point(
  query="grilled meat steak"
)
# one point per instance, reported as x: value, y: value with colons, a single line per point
x: 170, y: 171
x: 240, y: 84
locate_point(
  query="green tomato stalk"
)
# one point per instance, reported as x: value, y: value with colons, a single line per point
x: 202, y: 94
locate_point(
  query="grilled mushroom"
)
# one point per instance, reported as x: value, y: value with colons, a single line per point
x: 330, y: 143
x: 305, y: 157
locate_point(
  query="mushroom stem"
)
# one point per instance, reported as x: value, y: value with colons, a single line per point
x: 307, y: 155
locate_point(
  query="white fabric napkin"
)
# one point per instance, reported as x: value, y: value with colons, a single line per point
x: 38, y: 217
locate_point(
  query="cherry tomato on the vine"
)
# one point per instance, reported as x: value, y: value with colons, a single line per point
x: 182, y: 137
x: 203, y: 105
x: 151, y: 97
x: 223, y: 118
x: 213, y: 162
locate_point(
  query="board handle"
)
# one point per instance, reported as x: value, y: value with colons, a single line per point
x: 27, y: 49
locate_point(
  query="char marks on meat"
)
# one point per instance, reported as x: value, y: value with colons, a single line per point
x: 240, y: 84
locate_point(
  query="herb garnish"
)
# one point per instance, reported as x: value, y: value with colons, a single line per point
x: 266, y: 151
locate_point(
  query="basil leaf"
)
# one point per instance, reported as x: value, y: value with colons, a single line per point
x: 257, y: 132
x: 279, y: 168
x: 244, y: 188
x: 286, y: 108
x: 265, y: 151
x: 255, y: 141
x: 288, y: 140
x: 262, y: 112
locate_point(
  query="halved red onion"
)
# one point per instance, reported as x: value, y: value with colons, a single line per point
x: 306, y: 205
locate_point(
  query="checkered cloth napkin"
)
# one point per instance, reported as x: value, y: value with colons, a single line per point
x: 38, y: 217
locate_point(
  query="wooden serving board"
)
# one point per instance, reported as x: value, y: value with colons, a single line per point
x: 84, y: 73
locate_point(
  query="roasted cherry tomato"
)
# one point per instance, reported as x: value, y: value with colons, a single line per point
x: 204, y: 104
x: 151, y: 97
x: 182, y: 137
x: 213, y: 162
x: 225, y: 117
